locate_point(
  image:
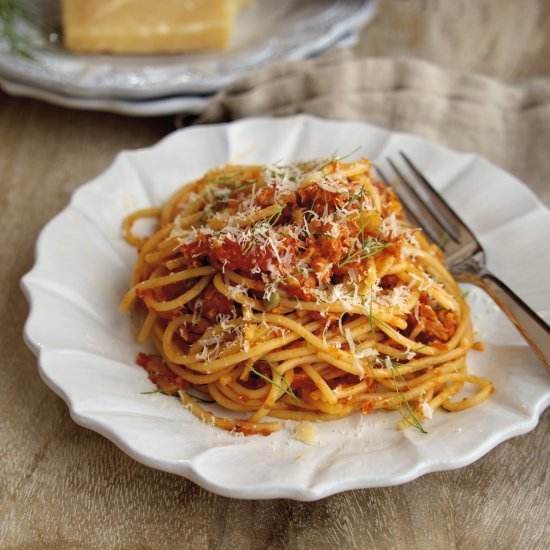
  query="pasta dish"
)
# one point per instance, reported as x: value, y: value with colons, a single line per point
x: 298, y: 292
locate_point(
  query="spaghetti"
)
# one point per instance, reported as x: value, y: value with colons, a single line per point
x: 298, y: 292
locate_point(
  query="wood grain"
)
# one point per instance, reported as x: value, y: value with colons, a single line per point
x: 63, y: 486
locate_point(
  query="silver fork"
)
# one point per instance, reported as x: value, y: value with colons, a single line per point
x: 464, y: 254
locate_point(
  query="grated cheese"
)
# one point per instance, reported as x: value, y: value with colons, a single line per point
x: 306, y: 432
x: 426, y: 410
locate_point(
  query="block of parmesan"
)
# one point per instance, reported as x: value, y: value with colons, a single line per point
x: 148, y: 26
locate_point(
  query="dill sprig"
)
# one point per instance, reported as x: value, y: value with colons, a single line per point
x: 293, y: 275
x: 404, y: 405
x: 12, y: 14
x: 288, y: 390
x: 158, y: 390
x: 270, y: 221
x: 443, y: 241
x: 334, y: 158
x: 173, y: 392
x: 243, y: 186
x: 369, y: 247
x: 371, y: 316
x: 272, y: 299
x: 407, y: 413
x: 354, y: 198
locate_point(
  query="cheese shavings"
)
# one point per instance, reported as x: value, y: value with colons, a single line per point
x: 306, y: 432
x: 426, y: 410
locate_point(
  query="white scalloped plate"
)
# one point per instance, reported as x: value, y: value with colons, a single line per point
x: 166, y: 105
x: 86, y: 349
x: 265, y: 32
x: 186, y: 104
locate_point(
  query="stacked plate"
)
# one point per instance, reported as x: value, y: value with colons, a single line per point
x: 158, y: 85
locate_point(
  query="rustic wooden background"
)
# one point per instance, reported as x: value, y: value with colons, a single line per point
x: 63, y: 486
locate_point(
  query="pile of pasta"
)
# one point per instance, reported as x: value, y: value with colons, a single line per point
x: 298, y: 292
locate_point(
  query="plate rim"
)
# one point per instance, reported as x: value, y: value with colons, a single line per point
x: 189, y: 105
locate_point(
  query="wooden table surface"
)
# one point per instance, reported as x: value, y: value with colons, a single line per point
x: 63, y: 486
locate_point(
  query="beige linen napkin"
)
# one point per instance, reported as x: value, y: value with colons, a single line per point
x: 507, y: 124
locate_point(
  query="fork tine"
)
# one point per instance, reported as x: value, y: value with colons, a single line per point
x: 446, y: 215
x: 414, y: 206
x: 410, y: 215
x: 444, y: 227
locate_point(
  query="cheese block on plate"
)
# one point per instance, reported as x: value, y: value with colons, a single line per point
x: 148, y: 26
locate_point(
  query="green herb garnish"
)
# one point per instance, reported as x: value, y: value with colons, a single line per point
x: 404, y: 404
x: 170, y: 392
x: 12, y: 15
x: 371, y: 316
x: 287, y: 390
x: 165, y: 392
x: 335, y: 158
x: 269, y: 221
x: 369, y: 247
x: 443, y: 241
x: 272, y: 301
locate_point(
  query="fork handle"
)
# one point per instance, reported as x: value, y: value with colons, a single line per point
x: 533, y: 328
